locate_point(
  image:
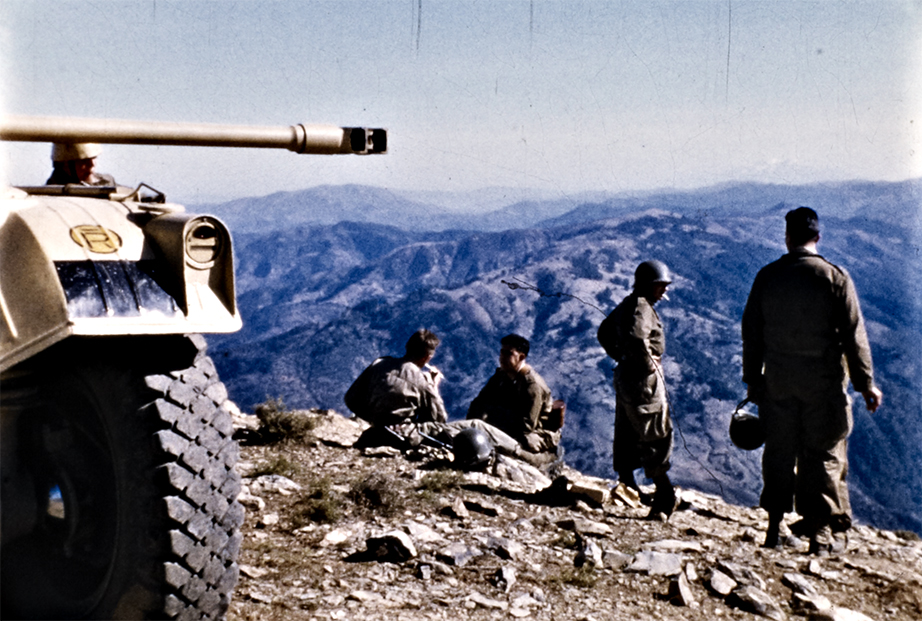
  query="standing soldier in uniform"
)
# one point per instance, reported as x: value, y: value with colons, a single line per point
x: 633, y: 336
x: 803, y: 337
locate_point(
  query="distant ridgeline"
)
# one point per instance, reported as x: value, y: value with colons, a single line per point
x: 321, y: 301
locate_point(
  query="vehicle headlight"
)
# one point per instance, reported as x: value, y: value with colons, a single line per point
x: 204, y: 243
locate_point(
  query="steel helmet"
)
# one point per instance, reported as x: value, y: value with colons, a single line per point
x: 650, y: 272
x: 472, y: 449
x: 746, y: 430
x: 68, y: 151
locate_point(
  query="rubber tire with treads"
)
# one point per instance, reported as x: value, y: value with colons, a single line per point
x: 133, y: 434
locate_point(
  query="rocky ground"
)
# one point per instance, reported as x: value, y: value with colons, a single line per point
x: 337, y: 533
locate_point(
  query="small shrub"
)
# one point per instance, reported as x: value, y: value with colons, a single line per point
x: 582, y: 577
x: 279, y: 464
x: 439, y: 481
x: 435, y: 483
x: 321, y: 504
x: 375, y: 493
x: 277, y: 423
x: 566, y: 539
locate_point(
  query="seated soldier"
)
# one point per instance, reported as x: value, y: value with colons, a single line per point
x: 400, y: 398
x: 398, y: 390
x: 517, y: 400
x: 75, y: 163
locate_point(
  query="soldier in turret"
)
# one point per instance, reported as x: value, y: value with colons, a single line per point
x: 76, y: 163
x: 803, y: 338
x: 633, y: 336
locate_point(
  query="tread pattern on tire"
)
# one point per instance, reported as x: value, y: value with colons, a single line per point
x: 202, y: 502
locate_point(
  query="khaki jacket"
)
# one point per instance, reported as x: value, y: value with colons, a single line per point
x: 633, y: 336
x: 803, y: 312
x: 515, y: 405
x: 393, y: 391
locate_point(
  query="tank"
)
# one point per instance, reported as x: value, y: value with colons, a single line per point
x: 118, y: 484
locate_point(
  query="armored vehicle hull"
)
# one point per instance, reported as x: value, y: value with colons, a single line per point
x: 119, y: 487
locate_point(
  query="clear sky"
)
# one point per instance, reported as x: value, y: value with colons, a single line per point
x: 560, y: 96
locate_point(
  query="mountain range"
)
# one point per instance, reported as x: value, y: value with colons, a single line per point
x: 328, y: 279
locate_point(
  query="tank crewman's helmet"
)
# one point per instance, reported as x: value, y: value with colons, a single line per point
x: 472, y: 449
x: 650, y: 272
x: 69, y: 151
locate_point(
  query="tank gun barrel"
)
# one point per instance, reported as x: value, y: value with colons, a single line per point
x: 301, y: 138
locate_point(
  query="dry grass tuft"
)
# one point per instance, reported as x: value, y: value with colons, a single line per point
x: 279, y: 424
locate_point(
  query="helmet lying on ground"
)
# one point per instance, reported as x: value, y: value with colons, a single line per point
x: 472, y: 449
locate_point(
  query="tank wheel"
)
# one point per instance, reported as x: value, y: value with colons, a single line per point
x: 132, y: 466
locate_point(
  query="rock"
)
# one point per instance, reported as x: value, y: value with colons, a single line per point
x: 335, y: 429
x: 392, y: 547
x: 525, y: 601
x: 756, y: 601
x: 269, y: 519
x: 680, y: 592
x: 798, y: 583
x: 486, y: 602
x: 589, y: 555
x: 515, y: 475
x: 485, y: 508
x: 337, y: 536
x: 424, y: 571
x: 422, y: 533
x: 504, y: 578
x: 593, y: 490
x: 691, y: 572
x: 585, y: 527
x: 840, y: 614
x: 627, y: 496
x: 721, y: 583
x: 673, y: 545
x: 365, y: 596
x: 615, y: 560
x: 742, y: 575
x: 506, y: 548
x: 273, y: 483
x: 656, y: 563
x: 812, y: 602
x: 253, y: 572
x: 381, y: 451
x: 459, y: 554
x: 248, y: 500
x: 457, y: 509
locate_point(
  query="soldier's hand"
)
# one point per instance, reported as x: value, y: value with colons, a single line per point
x: 755, y: 392
x: 872, y: 398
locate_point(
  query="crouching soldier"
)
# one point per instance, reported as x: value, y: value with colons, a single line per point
x: 633, y: 336
x: 517, y: 400
x: 400, y: 398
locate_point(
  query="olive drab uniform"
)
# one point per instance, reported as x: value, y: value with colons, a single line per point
x: 633, y: 336
x: 519, y: 406
x: 803, y: 337
x: 397, y: 394
x: 393, y: 391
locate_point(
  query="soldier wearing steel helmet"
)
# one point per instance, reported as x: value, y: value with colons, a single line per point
x: 76, y: 163
x: 633, y: 336
x: 803, y: 338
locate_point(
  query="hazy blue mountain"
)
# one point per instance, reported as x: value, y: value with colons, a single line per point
x: 498, y: 209
x: 321, y: 302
